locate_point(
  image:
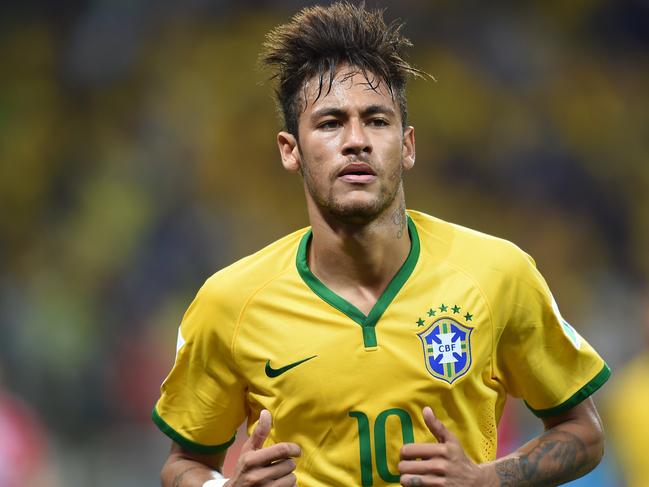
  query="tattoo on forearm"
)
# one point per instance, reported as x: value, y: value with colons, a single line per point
x: 559, y: 456
x: 399, y: 219
x: 179, y: 478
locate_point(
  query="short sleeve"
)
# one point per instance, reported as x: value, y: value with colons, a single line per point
x: 202, y: 399
x: 540, y: 357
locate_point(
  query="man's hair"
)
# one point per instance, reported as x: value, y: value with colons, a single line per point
x: 319, y: 39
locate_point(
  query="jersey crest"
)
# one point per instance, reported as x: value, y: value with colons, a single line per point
x: 447, y: 349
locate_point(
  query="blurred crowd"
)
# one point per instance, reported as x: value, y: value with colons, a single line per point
x: 137, y: 156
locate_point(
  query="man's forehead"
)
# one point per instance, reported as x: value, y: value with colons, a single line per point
x: 346, y: 79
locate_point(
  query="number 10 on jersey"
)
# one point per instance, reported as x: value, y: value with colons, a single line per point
x: 380, y: 443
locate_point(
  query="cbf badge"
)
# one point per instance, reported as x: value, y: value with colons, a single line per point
x: 447, y: 349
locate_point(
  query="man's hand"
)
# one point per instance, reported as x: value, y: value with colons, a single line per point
x: 443, y: 463
x: 272, y: 466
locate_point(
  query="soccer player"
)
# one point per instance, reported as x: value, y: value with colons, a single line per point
x: 377, y: 346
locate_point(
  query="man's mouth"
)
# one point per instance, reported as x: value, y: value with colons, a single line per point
x: 357, y: 172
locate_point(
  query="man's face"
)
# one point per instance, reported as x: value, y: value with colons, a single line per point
x: 352, y: 149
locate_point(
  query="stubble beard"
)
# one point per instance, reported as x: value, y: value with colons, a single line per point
x: 355, y: 212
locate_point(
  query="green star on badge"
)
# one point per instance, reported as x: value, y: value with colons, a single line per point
x: 468, y: 317
x: 443, y: 307
x: 431, y: 312
x: 456, y: 309
x: 420, y: 322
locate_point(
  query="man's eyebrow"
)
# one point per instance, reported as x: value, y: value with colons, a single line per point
x: 339, y: 113
x: 374, y: 109
x: 328, y: 112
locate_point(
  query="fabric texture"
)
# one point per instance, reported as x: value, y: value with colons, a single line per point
x: 466, y: 321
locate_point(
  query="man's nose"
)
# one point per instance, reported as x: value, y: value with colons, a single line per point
x: 356, y: 139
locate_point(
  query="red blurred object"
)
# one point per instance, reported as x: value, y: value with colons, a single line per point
x: 508, y: 431
x: 234, y: 450
x: 22, y: 442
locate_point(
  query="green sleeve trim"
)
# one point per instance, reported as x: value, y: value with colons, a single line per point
x: 184, y: 442
x: 583, y: 393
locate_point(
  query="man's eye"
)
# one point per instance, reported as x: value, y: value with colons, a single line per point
x: 379, y: 122
x: 329, y: 124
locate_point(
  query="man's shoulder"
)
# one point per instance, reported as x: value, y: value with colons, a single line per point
x: 256, y: 270
x: 468, y: 248
x: 435, y: 231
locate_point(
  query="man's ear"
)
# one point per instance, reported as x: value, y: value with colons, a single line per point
x: 289, y: 151
x: 408, y: 149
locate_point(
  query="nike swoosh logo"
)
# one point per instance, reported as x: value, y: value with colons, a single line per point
x: 271, y: 372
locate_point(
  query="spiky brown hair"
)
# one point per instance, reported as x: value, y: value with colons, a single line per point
x: 318, y: 39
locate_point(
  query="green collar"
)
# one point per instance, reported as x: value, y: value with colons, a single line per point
x: 368, y: 323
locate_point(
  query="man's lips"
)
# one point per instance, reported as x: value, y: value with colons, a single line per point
x: 357, y: 172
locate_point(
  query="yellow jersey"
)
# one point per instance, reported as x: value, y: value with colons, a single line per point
x: 466, y: 321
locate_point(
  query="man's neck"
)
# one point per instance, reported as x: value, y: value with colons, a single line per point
x: 358, y: 261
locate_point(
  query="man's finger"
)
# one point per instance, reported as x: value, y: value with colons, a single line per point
x: 423, y: 451
x: 419, y: 480
x: 266, y: 456
x: 436, y: 466
x: 261, y: 431
x: 274, y: 471
x: 437, y: 428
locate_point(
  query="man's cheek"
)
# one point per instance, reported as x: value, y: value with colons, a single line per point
x: 395, y: 175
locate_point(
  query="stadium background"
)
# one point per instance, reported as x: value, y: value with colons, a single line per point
x: 137, y: 156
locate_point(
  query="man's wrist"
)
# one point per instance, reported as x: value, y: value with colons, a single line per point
x: 215, y: 483
x: 489, y: 474
x: 217, y: 480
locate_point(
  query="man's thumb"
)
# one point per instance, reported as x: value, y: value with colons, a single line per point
x: 437, y: 428
x: 261, y: 431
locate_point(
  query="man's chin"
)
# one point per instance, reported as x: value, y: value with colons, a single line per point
x: 357, y: 212
x: 355, y: 208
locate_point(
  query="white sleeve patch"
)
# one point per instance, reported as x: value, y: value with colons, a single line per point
x: 180, y: 342
x: 566, y: 327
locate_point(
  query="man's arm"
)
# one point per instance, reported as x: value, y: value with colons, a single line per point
x: 256, y: 465
x: 185, y: 469
x: 571, y: 446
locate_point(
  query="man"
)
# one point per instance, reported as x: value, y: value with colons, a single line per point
x: 378, y: 346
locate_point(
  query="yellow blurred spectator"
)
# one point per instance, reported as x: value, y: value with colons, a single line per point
x: 627, y: 412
